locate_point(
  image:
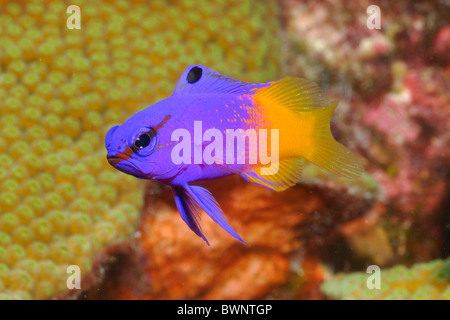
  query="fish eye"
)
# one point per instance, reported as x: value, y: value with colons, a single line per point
x: 194, y: 75
x: 143, y: 141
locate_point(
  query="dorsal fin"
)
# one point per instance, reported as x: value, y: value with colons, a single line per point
x: 294, y: 94
x: 197, y: 79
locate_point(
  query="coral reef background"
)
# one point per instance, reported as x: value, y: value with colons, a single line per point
x: 62, y: 89
x: 62, y: 204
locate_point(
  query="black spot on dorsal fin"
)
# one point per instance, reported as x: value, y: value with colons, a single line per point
x: 194, y: 75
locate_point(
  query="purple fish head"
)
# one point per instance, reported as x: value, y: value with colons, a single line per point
x: 136, y: 147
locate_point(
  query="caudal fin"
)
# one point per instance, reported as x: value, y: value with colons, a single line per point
x: 324, y: 151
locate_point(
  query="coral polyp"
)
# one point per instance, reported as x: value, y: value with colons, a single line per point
x: 61, y: 89
x: 423, y: 281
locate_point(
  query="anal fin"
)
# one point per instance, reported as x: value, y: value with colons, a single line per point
x: 286, y: 175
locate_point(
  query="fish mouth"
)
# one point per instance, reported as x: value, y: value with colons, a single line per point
x: 125, y: 155
x: 116, y: 159
x: 122, y: 164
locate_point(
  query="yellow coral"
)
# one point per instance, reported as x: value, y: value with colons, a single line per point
x: 61, y: 89
x: 422, y: 281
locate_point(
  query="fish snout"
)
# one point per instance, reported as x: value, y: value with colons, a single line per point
x: 109, y: 136
x: 116, y: 152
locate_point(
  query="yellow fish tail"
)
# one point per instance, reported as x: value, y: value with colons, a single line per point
x: 300, y: 110
x: 320, y: 147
